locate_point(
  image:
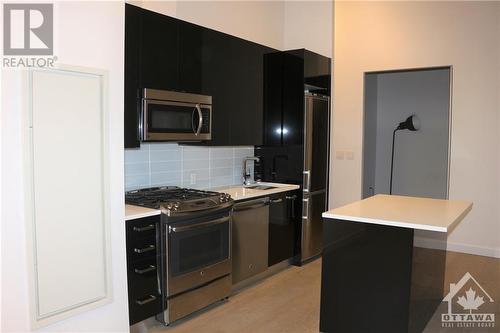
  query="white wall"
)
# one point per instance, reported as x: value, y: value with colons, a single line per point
x: 278, y: 24
x: 374, y: 36
x: 257, y: 21
x: 86, y: 34
x: 91, y: 34
x: 309, y: 24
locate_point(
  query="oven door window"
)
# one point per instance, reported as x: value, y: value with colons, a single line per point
x: 198, y: 247
x: 170, y: 118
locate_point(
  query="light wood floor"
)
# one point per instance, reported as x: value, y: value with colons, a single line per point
x: 486, y: 271
x: 289, y: 301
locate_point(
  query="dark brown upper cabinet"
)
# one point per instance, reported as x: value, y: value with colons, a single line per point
x: 162, y: 52
x: 288, y: 75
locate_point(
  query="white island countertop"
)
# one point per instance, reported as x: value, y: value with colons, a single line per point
x: 237, y: 192
x: 406, y: 212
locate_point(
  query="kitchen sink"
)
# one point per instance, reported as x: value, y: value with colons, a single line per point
x: 260, y: 187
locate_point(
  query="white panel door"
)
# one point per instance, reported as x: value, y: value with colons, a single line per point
x: 69, y: 210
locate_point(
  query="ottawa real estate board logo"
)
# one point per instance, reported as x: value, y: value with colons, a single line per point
x: 28, y: 35
x: 469, y: 305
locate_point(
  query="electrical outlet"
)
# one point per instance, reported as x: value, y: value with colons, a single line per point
x: 193, y: 179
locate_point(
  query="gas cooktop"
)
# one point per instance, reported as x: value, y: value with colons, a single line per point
x: 174, y: 199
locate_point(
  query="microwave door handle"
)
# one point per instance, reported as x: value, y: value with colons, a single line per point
x: 192, y: 121
x: 143, y: 123
x: 200, y: 119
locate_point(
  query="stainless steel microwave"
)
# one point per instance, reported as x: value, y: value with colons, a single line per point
x: 175, y: 116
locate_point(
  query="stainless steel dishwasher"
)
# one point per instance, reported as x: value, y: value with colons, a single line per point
x: 250, y: 238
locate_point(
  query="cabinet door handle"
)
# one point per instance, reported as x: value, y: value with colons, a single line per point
x: 292, y: 204
x: 276, y: 200
x: 145, y: 249
x: 146, y: 228
x: 145, y: 270
x: 146, y: 300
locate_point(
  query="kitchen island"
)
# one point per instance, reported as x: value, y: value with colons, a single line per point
x: 370, y: 279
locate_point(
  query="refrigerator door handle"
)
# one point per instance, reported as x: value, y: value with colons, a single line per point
x: 305, y: 208
x: 307, y: 180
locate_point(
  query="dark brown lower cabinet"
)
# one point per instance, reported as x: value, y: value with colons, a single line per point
x: 143, y: 263
x: 283, y: 220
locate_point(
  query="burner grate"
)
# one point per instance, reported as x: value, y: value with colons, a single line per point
x: 154, y: 197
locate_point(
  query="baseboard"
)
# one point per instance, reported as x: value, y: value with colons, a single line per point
x: 458, y: 247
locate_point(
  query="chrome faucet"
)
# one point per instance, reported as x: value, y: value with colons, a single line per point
x: 247, y: 176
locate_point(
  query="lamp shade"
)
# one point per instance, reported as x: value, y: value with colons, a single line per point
x: 411, y: 123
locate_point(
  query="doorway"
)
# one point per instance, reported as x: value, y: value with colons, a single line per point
x: 420, y: 159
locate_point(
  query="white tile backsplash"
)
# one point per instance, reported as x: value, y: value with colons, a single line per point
x: 158, y: 164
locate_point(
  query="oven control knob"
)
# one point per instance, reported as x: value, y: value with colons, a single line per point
x: 169, y: 206
x: 202, y: 273
x: 228, y: 196
x: 176, y: 205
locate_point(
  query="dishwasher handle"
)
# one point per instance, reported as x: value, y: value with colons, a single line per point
x: 252, y: 204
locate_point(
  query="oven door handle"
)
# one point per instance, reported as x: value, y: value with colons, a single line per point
x: 198, y: 225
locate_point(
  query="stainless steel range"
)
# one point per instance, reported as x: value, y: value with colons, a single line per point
x: 195, y: 241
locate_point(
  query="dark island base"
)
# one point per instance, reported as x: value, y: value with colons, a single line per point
x: 374, y: 280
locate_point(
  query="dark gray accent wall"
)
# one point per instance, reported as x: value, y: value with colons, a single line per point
x: 421, y: 158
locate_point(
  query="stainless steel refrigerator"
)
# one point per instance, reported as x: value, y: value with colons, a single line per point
x: 315, y: 174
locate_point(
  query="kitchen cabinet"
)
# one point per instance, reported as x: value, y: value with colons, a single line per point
x: 286, y: 76
x: 143, y: 263
x: 316, y: 72
x: 283, y: 99
x: 250, y: 238
x: 229, y: 69
x: 273, y: 97
x: 293, y: 100
x: 190, y: 51
x: 284, y: 219
x: 159, y: 48
x: 162, y: 52
x: 133, y: 23
x: 233, y: 74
